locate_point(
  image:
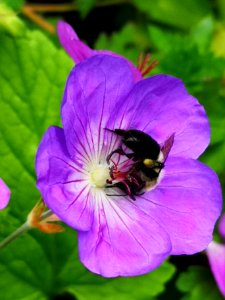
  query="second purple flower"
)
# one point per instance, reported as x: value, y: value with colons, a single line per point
x: 131, y: 211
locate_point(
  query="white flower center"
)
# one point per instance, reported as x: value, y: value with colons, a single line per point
x: 98, y: 175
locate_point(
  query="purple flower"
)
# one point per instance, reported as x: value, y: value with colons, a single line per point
x: 216, y: 256
x: 172, y: 210
x: 79, y: 51
x: 4, y: 194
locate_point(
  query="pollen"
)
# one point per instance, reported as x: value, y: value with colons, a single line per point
x: 99, y: 175
x: 148, y: 162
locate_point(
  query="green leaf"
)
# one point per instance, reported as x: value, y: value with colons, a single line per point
x: 221, y: 9
x: 30, y: 267
x: 212, y: 97
x: 33, y: 74
x: 88, y: 286
x: 38, y: 266
x: 202, y: 34
x: 182, y: 14
x: 32, y: 77
x: 218, y: 43
x: 9, y: 21
x: 188, y: 57
x: 198, y: 283
x: 14, y: 4
x: 85, y: 6
x: 48, y: 266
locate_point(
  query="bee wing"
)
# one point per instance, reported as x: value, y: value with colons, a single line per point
x: 167, y: 146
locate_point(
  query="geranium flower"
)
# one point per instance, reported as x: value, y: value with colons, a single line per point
x: 133, y: 233
x: 4, y: 194
x: 216, y: 256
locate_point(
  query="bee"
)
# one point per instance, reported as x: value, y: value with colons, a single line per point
x: 148, y: 160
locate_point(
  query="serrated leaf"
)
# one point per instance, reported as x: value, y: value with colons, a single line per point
x: 37, y: 266
x: 33, y: 74
x: 197, y: 283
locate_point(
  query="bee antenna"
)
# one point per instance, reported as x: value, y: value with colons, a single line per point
x: 111, y: 130
x: 119, y: 132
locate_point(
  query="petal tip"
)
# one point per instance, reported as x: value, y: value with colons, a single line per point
x: 4, y: 194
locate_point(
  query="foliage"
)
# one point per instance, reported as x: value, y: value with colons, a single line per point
x: 197, y: 283
x: 185, y: 37
x: 181, y: 14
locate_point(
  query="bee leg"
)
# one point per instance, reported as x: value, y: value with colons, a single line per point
x: 122, y: 185
x: 131, y: 156
x: 118, y: 151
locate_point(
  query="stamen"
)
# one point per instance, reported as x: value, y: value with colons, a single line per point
x: 124, y: 175
x: 144, y: 65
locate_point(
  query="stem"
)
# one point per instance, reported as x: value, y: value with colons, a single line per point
x: 50, y: 7
x: 46, y: 214
x: 31, y: 11
x: 40, y: 21
x: 22, y: 229
x: 13, y: 236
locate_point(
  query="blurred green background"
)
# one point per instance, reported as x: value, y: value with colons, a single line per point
x: 188, y: 39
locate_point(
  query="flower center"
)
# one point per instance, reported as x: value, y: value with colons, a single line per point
x: 131, y: 169
x: 99, y: 175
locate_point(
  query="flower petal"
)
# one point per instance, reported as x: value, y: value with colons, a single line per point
x: 93, y: 89
x: 160, y: 106
x: 123, y: 240
x: 61, y: 181
x: 222, y: 226
x: 187, y: 203
x: 69, y: 40
x: 79, y: 51
x: 216, y: 256
x: 134, y: 70
x: 4, y: 194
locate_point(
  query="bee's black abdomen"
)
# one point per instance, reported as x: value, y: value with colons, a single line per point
x: 142, y: 144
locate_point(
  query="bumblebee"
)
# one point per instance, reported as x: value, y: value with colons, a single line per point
x: 148, y: 160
